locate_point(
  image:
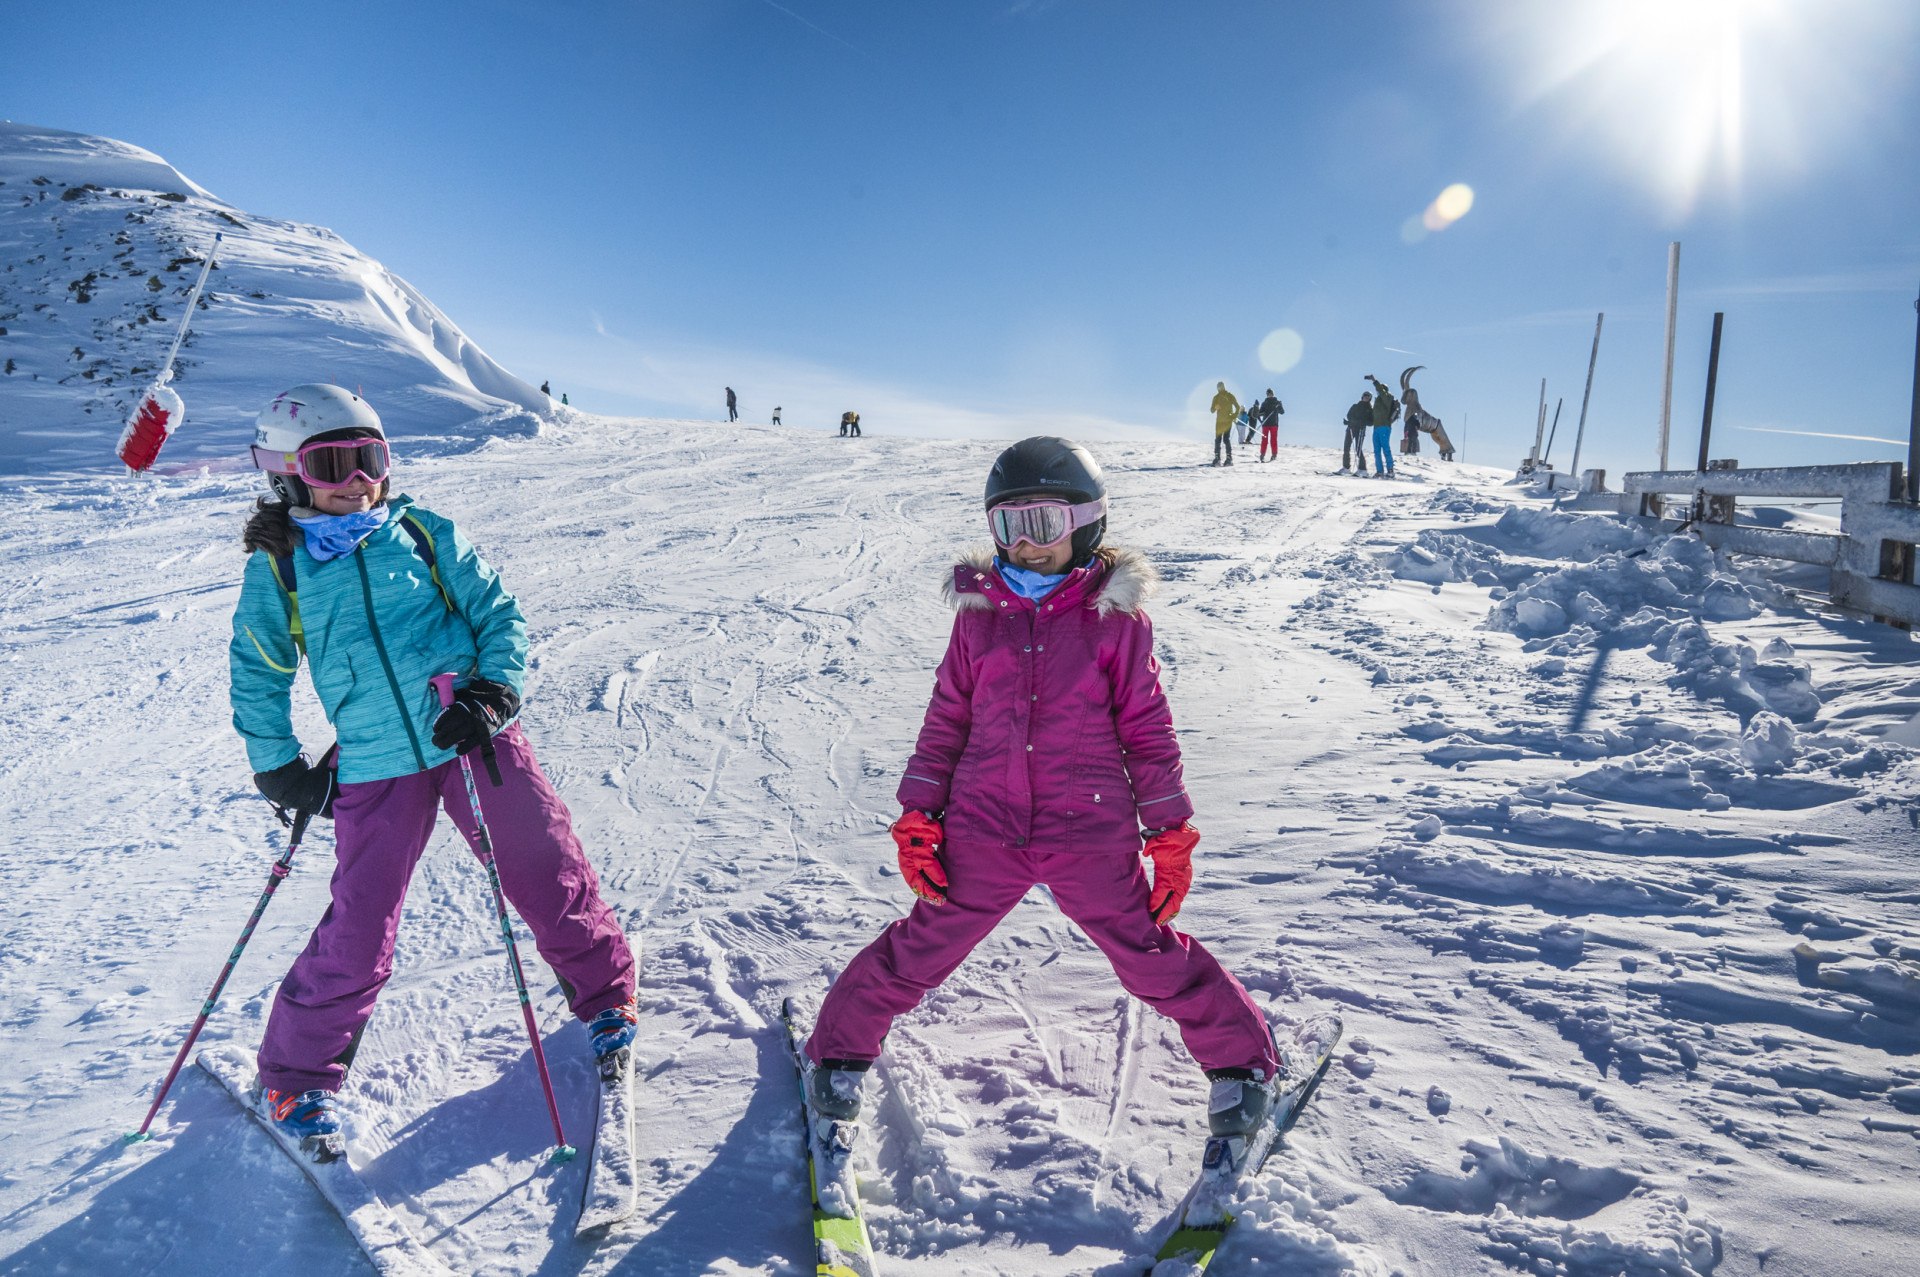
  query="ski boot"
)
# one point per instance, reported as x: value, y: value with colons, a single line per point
x: 612, y: 1033
x: 310, y: 1120
x: 1239, y: 1103
x: 833, y: 1089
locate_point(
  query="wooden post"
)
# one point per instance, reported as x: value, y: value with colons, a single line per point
x: 1706, y: 416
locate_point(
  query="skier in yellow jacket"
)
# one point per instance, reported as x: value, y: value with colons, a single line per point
x: 1226, y: 409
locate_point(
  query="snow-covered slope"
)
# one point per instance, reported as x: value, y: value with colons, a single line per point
x: 1634, y: 994
x: 101, y: 243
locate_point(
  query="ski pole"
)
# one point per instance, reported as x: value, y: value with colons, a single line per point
x: 563, y: 1151
x: 281, y: 868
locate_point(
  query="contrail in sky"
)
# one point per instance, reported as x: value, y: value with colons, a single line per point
x: 1820, y: 434
x: 822, y: 30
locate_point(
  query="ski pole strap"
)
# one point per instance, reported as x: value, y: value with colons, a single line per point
x: 493, y: 765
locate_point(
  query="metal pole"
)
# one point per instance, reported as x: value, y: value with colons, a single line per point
x: 1553, y: 433
x: 1539, y: 427
x: 1666, y: 378
x: 1913, y: 426
x: 562, y: 1151
x: 280, y: 869
x: 193, y: 299
x: 1581, y: 435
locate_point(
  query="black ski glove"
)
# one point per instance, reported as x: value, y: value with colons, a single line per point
x: 479, y: 709
x: 299, y: 786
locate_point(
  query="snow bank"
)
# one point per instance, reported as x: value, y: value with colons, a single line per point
x: 105, y: 240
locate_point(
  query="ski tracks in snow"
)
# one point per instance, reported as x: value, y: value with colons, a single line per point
x: 1573, y: 1019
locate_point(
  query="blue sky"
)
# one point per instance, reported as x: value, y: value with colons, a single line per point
x: 1004, y: 218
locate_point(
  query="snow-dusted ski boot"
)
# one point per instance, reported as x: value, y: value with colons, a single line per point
x: 833, y: 1088
x: 310, y: 1120
x: 611, y: 1033
x: 1239, y: 1101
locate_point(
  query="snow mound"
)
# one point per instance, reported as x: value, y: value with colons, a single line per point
x: 104, y: 241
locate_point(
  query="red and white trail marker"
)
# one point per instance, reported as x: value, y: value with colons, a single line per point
x: 160, y: 411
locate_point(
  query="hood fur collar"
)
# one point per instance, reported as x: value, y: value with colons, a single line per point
x: 1129, y: 581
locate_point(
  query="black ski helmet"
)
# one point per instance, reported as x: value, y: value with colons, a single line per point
x: 1048, y: 466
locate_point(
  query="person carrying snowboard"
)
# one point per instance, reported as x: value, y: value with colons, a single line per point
x: 1270, y: 413
x: 1047, y: 749
x: 380, y: 595
x: 1226, y: 409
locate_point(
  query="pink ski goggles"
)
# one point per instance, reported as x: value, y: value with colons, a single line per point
x: 331, y: 464
x: 1042, y: 523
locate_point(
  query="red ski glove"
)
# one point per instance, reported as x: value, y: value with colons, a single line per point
x: 919, y: 837
x: 1171, y: 851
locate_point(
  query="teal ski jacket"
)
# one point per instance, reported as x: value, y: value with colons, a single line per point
x: 376, y: 629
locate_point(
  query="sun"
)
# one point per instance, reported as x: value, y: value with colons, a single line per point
x: 1694, y: 94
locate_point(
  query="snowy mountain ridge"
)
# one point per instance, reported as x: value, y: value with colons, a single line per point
x: 102, y: 241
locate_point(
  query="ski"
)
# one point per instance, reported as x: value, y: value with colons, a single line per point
x: 383, y: 1237
x: 841, y: 1245
x: 1204, y: 1215
x: 613, y: 1181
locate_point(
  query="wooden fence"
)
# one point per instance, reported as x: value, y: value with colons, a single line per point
x: 1871, y: 558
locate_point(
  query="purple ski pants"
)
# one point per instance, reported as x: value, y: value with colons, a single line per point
x: 1105, y: 893
x: 380, y: 829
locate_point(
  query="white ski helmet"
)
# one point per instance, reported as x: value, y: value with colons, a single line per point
x: 299, y: 416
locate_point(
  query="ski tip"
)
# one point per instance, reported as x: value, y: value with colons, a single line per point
x: 562, y: 1153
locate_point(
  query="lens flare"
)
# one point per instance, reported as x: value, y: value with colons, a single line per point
x: 1448, y: 207
x: 1281, y: 349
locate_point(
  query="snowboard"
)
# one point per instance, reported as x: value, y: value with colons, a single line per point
x: 393, y: 1250
x: 1227, y: 1163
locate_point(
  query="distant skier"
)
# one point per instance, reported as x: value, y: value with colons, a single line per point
x: 776, y: 414
x: 386, y: 595
x: 1249, y: 422
x: 849, y: 425
x: 1226, y: 409
x: 1385, y: 409
x: 1359, y: 422
x: 563, y: 397
x: 1047, y: 747
x: 733, y: 406
x: 545, y: 390
x: 1271, y: 411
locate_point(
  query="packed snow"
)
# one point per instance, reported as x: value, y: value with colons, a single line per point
x: 1636, y: 994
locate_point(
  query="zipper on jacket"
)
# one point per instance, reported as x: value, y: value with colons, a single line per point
x: 379, y: 645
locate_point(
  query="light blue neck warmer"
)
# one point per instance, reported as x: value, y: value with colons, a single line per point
x: 329, y: 536
x: 1026, y: 583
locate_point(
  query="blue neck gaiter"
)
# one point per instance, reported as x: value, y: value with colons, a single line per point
x: 329, y: 536
x: 1026, y: 583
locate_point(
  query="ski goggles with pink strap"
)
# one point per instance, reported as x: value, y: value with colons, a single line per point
x: 1042, y: 523
x: 333, y: 463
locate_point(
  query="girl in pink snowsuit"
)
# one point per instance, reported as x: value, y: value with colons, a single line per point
x: 1047, y: 749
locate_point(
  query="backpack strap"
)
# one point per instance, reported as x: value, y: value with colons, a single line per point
x: 423, y: 543
x: 290, y: 586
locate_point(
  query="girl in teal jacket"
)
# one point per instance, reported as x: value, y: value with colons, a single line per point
x: 380, y: 595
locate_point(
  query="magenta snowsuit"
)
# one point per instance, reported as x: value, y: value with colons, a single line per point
x: 1047, y: 747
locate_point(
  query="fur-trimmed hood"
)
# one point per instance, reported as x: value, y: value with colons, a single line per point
x: 1127, y: 579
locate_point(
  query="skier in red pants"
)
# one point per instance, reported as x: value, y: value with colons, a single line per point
x: 1046, y: 749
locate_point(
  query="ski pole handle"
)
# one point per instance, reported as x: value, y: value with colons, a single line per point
x: 443, y: 684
